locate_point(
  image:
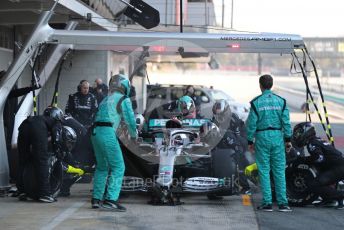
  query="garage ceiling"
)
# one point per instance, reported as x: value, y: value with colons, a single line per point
x: 26, y: 12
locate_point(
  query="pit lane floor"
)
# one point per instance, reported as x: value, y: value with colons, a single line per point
x: 75, y: 213
x: 302, y: 218
x: 197, y: 213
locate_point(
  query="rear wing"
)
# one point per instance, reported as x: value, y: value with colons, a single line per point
x: 191, y: 124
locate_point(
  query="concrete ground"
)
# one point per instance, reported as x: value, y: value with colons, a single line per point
x: 75, y: 213
x: 305, y: 218
x: 235, y: 212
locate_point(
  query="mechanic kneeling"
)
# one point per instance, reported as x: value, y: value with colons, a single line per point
x: 329, y: 160
x: 81, y: 155
x: 33, y: 139
x: 232, y: 130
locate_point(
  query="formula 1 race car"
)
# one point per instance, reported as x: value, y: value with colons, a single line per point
x: 169, y: 161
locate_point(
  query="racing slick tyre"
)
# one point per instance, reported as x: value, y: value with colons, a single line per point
x: 223, y: 166
x: 30, y: 178
x: 297, y: 180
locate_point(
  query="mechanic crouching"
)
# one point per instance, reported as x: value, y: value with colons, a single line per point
x: 329, y: 160
x: 33, y: 139
x: 81, y: 157
x: 231, y: 131
x: 233, y: 137
x: 110, y: 165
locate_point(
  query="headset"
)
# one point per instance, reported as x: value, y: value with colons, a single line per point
x: 80, y: 85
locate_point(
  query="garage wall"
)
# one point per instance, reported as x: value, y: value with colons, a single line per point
x: 140, y: 87
x: 85, y: 65
x: 120, y: 63
x: 6, y: 56
x: 117, y: 63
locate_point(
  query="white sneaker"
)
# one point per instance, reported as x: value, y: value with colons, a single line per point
x: 46, y: 199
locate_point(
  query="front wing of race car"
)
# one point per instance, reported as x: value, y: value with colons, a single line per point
x: 199, y: 185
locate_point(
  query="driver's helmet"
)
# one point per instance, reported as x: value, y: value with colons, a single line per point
x: 222, y: 112
x: 178, y: 139
x: 140, y: 121
x: 186, y: 106
x: 69, y: 138
x: 119, y: 83
x: 302, y: 133
x: 209, y: 133
x: 53, y: 112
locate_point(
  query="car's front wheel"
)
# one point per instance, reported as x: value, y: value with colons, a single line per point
x: 224, y: 166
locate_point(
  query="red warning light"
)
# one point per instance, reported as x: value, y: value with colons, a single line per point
x: 158, y: 48
x: 234, y: 46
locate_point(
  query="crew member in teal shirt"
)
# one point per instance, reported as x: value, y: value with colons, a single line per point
x: 110, y: 165
x: 269, y: 134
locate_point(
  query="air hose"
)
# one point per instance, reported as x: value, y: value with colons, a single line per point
x: 293, y: 66
x: 34, y: 82
x: 321, y: 96
x: 56, y: 90
x: 311, y: 100
x: 308, y: 101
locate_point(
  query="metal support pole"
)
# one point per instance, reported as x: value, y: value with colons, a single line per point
x: 27, y: 105
x: 206, y: 12
x: 232, y: 11
x: 181, y: 15
x: 223, y: 13
x: 259, y: 64
x: 40, y: 34
x: 165, y: 13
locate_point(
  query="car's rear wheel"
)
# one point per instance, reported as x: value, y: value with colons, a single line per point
x: 298, y: 178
